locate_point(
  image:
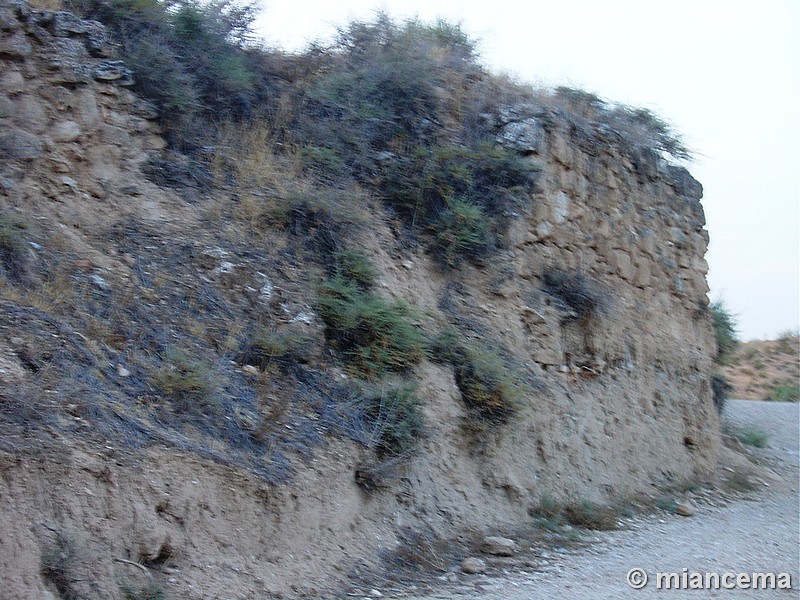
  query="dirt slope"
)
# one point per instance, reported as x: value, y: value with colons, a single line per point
x: 766, y: 370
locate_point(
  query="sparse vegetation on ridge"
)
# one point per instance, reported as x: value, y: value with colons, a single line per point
x: 283, y: 156
x: 766, y: 369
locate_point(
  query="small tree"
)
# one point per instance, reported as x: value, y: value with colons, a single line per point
x: 727, y: 340
x: 724, y: 331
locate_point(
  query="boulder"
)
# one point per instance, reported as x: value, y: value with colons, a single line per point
x: 473, y: 565
x: 499, y: 546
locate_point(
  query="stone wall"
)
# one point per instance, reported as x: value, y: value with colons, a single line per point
x: 620, y: 396
x: 64, y: 105
x: 598, y: 297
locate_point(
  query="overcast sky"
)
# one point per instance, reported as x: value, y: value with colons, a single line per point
x: 726, y: 74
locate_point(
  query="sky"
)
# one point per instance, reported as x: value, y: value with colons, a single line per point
x: 724, y: 74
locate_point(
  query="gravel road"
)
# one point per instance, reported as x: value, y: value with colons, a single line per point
x: 757, y: 533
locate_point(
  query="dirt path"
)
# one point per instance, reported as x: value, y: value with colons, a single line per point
x: 758, y: 533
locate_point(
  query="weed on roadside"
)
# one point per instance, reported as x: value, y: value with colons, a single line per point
x: 750, y: 435
x: 553, y: 516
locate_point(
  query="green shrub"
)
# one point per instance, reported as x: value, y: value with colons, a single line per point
x: 266, y: 348
x: 374, y: 334
x: 462, y: 196
x: 785, y: 392
x: 189, y: 58
x: 188, y: 383
x: 589, y: 515
x: 490, y: 389
x: 394, y: 417
x: 724, y: 331
x: 739, y: 483
x: 669, y: 505
x: 750, y: 435
x: 380, y: 87
x: 152, y: 590
x: 324, y: 162
x: 354, y: 266
x: 552, y: 515
x: 637, y: 127
x: 789, y: 341
x: 461, y: 229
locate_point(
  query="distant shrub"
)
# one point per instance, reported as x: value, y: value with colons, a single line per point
x: 374, y: 334
x: 785, y: 392
x: 789, y: 341
x: 724, y: 331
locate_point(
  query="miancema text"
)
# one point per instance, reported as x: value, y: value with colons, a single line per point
x: 687, y: 580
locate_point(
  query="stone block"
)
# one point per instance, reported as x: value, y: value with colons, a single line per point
x: 15, y: 46
x: 29, y: 113
x: 12, y: 82
x: 17, y: 144
x: 65, y: 131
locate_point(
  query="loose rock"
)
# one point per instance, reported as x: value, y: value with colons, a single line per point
x: 499, y: 546
x: 473, y: 565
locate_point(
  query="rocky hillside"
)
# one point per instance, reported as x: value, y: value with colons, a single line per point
x: 383, y: 299
x: 766, y: 370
